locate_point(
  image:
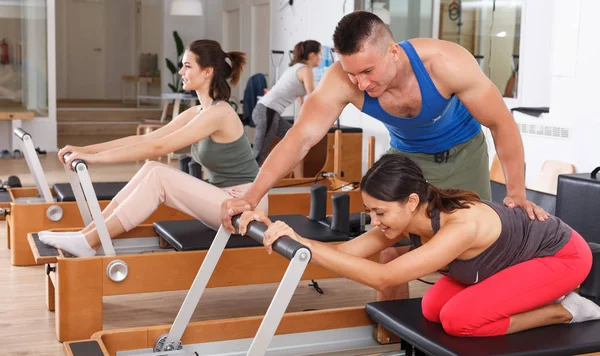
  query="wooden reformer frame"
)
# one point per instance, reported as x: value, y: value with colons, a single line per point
x: 27, y: 218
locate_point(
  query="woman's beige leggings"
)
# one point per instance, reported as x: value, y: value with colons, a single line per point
x: 156, y: 183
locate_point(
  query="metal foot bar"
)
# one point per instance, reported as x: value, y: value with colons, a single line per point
x: 79, y: 196
x: 287, y: 247
x: 280, y: 302
x: 34, y: 164
x: 173, y: 339
x: 83, y: 181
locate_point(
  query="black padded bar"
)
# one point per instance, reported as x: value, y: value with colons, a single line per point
x: 590, y: 287
x: 276, y: 52
x: 5, y: 197
x: 405, y: 319
x: 318, y: 202
x: 104, y: 190
x: 86, y: 348
x: 20, y: 133
x: 285, y: 245
x: 43, y: 249
x: 192, y: 235
x: 340, y: 212
x: 577, y: 204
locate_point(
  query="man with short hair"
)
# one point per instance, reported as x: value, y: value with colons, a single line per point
x: 433, y: 98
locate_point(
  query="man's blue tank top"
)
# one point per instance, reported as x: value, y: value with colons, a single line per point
x: 440, y: 125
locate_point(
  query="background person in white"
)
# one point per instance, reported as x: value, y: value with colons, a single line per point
x: 296, y: 82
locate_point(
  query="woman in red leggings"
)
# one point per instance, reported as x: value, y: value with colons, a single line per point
x: 502, y: 272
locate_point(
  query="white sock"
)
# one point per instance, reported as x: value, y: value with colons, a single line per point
x: 71, y: 242
x: 44, y: 234
x: 581, y: 308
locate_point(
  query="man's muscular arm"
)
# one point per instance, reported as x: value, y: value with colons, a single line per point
x: 322, y: 107
x: 458, y: 71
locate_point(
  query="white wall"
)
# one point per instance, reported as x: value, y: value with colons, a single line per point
x: 213, y: 11
x: 150, y: 26
x: 215, y: 30
x: 309, y: 19
x: 119, y: 55
x: 574, y: 89
x: 61, y: 49
x: 190, y: 28
x: 536, y: 47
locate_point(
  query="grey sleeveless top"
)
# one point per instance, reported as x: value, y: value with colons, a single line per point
x: 521, y: 239
x: 285, y: 91
x: 226, y: 164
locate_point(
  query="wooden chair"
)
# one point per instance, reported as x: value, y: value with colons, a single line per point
x: 548, y: 179
x: 496, y: 172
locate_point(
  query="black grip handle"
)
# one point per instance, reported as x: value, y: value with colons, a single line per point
x: 285, y: 245
x: 340, y: 220
x: 595, y: 172
x: 20, y: 133
x: 276, y: 51
x: 76, y: 162
x: 318, y: 202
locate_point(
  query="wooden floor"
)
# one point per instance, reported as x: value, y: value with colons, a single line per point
x: 27, y: 328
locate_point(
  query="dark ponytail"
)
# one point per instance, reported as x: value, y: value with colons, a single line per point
x: 210, y: 54
x: 395, y: 177
x: 448, y: 200
x: 238, y: 61
x: 303, y: 49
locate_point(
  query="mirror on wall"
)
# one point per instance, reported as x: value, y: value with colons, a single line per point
x: 406, y: 18
x: 23, y: 57
x: 489, y: 29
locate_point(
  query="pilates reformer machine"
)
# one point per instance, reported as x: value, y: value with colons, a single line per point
x: 404, y: 318
x: 44, y: 208
x: 576, y: 193
x: 344, y: 331
x: 131, y: 263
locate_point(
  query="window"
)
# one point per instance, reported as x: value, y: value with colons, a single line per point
x: 23, y: 57
x: 490, y: 30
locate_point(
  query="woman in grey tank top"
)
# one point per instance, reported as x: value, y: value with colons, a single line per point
x: 296, y: 82
x: 502, y: 272
x: 218, y: 142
